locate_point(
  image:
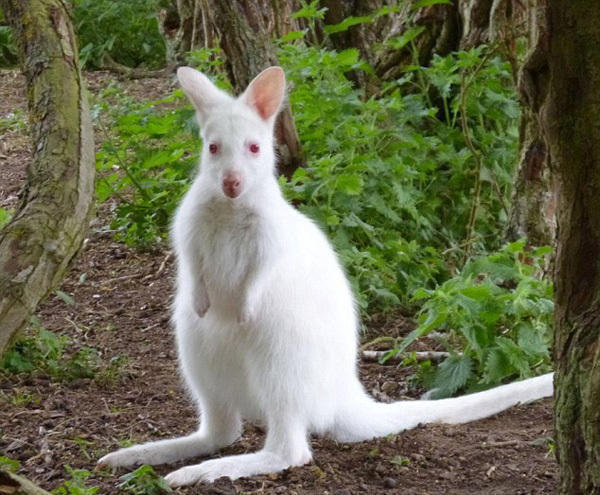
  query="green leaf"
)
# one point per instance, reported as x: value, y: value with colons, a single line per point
x: 65, y: 297
x: 477, y: 292
x: 293, y: 36
x: 144, y: 480
x: 332, y: 220
x: 400, y: 460
x: 542, y: 251
x: 531, y: 340
x: 516, y: 356
x: 346, y: 23
x: 310, y: 11
x: 420, y: 294
x: 386, y: 294
x: 348, y: 57
x: 9, y: 465
x: 497, y: 366
x: 349, y: 184
x: 453, y: 374
x: 5, y: 216
x: 516, y: 247
x: 399, y: 42
x: 428, y: 3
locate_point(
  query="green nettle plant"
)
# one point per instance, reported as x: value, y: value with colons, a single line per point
x: 144, y: 481
x: 127, y: 31
x: 77, y: 484
x: 423, y: 168
x: 147, y: 167
x: 8, y: 47
x: 47, y: 353
x: 495, y: 319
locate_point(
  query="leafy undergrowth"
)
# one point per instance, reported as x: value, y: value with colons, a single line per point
x: 126, y: 31
x: 58, y: 357
x: 495, y: 319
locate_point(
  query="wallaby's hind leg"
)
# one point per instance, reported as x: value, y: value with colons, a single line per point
x: 286, y: 445
x: 219, y: 427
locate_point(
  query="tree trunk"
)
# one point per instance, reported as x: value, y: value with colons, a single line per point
x: 245, y: 38
x: 569, y: 116
x: 441, y: 35
x: 534, y: 200
x: 49, y: 225
x: 460, y: 25
x: 185, y: 27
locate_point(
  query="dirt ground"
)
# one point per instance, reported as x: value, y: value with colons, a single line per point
x: 121, y: 308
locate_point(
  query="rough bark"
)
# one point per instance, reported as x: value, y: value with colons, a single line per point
x: 461, y: 25
x: 534, y: 201
x: 14, y: 484
x: 196, y: 24
x: 441, y: 35
x: 569, y: 115
x: 48, y: 227
x: 365, y: 36
x: 246, y: 42
x: 185, y: 26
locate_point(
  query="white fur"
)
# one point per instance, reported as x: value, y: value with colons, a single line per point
x: 265, y: 318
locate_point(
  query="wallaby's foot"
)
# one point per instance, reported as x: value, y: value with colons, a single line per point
x: 233, y: 467
x: 161, y: 452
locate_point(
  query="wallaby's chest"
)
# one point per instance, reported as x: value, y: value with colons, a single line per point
x: 229, y: 243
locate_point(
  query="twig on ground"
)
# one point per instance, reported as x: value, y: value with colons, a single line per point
x: 419, y: 355
x: 378, y: 340
x: 161, y: 268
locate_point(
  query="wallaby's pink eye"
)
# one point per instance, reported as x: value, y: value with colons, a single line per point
x: 213, y: 148
x: 254, y: 148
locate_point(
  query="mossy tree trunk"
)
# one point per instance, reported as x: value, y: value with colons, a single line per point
x: 570, y: 123
x: 49, y: 225
x: 533, y: 203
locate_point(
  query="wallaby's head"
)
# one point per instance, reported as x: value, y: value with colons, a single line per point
x: 237, y: 133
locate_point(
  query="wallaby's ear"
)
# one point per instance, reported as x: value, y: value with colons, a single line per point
x: 265, y: 93
x: 204, y: 95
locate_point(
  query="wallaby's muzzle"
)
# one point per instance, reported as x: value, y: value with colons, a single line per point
x: 232, y: 184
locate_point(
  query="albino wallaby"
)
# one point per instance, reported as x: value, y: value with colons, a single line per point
x: 265, y: 319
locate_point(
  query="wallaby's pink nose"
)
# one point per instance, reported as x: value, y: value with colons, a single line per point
x: 232, y: 184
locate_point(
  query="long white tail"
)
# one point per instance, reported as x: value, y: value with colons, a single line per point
x: 365, y: 418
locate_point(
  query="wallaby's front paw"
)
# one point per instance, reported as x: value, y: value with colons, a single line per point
x: 201, y: 305
x: 248, y: 308
x: 245, y: 314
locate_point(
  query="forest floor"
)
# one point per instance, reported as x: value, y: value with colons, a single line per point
x: 121, y: 309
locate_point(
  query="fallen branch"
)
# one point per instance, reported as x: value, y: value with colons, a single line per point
x: 109, y: 64
x: 419, y: 355
x: 18, y: 485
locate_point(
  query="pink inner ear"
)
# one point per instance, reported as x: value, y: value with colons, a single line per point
x: 265, y: 93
